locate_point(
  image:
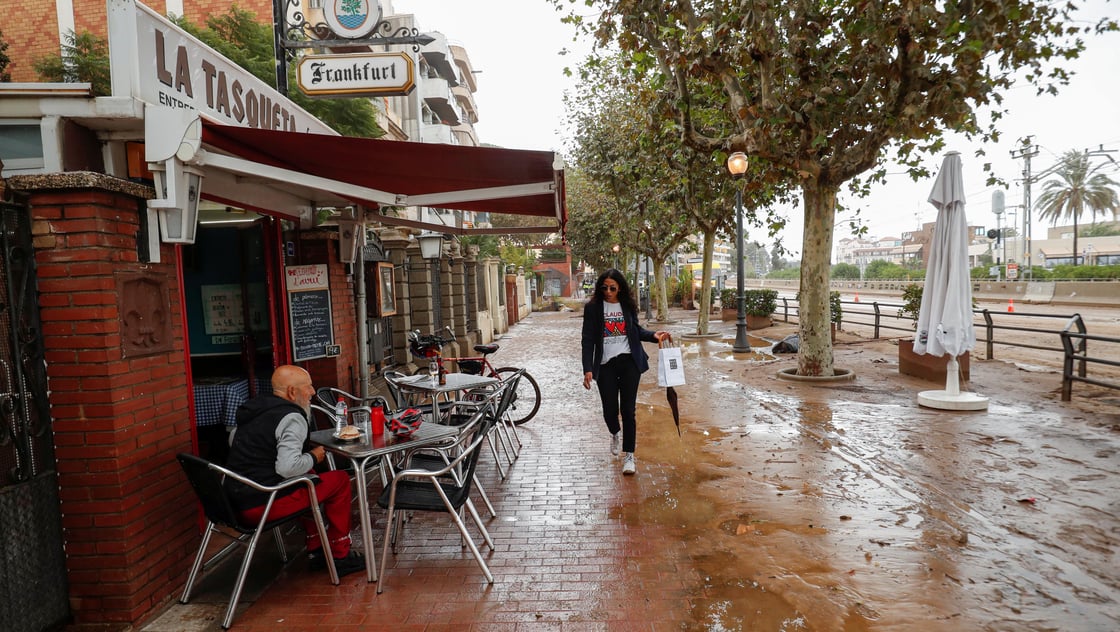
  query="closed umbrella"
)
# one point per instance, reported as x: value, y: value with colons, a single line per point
x: 945, y: 317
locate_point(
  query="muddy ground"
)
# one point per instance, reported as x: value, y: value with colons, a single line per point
x: 848, y: 506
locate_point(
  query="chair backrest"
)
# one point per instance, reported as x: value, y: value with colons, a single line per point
x: 391, y: 381
x: 509, y: 382
x: 328, y: 396
x: 207, y: 480
x: 322, y: 417
x: 474, y: 450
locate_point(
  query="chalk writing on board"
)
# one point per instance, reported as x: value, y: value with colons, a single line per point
x: 312, y: 328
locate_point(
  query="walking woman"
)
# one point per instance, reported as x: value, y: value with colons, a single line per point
x: 613, y: 356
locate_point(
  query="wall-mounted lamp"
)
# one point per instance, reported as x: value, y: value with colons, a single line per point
x: 351, y: 238
x: 431, y: 244
x: 177, y: 205
x: 172, y: 139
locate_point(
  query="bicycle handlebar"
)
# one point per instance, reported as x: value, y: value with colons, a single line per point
x: 419, y: 342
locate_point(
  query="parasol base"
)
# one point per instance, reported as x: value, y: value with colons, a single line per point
x: 946, y: 401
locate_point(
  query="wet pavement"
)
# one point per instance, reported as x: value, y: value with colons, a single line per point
x: 784, y: 506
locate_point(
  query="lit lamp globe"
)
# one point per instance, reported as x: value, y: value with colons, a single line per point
x: 737, y: 163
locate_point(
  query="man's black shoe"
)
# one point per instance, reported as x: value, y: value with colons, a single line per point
x: 352, y: 563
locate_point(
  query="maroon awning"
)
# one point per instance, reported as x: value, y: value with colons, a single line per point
x: 409, y: 169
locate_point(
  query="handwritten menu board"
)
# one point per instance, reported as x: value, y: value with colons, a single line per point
x: 309, y: 310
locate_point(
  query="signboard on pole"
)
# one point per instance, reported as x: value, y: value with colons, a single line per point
x: 1012, y: 271
x: 356, y: 74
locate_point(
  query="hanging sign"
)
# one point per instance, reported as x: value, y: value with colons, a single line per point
x: 356, y: 74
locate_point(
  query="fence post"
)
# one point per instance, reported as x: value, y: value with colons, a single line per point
x: 1083, y: 351
x: 875, y: 305
x: 990, y: 333
x: 1067, y: 365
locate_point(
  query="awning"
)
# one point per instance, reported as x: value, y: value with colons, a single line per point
x: 323, y: 170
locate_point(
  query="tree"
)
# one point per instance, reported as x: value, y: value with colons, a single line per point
x: 1079, y: 187
x: 238, y: 35
x: 845, y: 271
x: 1103, y: 229
x: 5, y: 76
x: 615, y: 146
x: 825, y: 89
x: 84, y: 59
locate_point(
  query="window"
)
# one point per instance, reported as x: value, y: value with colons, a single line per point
x: 21, y: 144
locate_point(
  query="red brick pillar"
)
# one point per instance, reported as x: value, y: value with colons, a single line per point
x: 112, y: 332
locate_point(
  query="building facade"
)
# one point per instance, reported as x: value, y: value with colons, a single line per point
x: 149, y: 307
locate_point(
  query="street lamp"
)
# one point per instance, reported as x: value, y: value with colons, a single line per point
x: 430, y: 244
x: 737, y: 165
x: 615, y: 248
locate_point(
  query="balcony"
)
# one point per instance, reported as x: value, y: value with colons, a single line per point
x: 437, y: 96
x: 466, y: 102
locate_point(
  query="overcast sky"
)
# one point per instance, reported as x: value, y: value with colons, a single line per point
x: 519, y: 47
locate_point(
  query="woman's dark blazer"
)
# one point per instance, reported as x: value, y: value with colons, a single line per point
x: 593, y: 338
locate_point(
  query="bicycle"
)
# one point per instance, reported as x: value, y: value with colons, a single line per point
x: 526, y: 399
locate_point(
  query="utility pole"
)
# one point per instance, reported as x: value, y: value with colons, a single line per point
x: 1026, y: 152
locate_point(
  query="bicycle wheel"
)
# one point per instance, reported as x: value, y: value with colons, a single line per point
x: 527, y: 400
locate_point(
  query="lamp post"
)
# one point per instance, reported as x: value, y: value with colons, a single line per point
x: 737, y: 165
x: 431, y: 246
x: 615, y: 249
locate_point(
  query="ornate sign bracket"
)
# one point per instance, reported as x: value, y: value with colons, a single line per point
x: 293, y: 31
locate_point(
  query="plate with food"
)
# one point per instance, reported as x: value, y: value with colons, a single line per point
x: 348, y: 433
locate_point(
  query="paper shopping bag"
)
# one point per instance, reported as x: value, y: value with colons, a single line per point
x: 670, y: 367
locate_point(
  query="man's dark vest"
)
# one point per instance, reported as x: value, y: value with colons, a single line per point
x: 253, y: 452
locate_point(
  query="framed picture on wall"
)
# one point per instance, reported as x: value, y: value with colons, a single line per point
x: 386, y: 297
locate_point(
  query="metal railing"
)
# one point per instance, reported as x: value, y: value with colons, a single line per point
x: 1074, y: 346
x: 1071, y: 338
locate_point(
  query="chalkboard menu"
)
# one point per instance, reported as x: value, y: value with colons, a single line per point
x: 309, y: 309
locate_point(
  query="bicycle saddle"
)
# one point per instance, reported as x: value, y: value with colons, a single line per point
x: 485, y: 349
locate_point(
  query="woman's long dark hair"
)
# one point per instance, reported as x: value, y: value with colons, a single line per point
x: 624, y: 296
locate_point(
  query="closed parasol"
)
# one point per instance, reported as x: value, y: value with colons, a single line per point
x: 945, y: 317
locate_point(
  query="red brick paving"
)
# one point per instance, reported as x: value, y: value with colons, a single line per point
x: 565, y: 556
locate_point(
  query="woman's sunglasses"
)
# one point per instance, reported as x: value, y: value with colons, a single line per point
x: 610, y: 288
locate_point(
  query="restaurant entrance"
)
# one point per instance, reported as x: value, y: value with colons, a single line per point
x: 233, y: 303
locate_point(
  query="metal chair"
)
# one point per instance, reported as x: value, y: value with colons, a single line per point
x: 208, y: 481
x: 415, y: 489
x: 436, y: 458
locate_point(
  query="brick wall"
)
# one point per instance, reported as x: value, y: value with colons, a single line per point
x: 31, y: 28
x: 129, y: 520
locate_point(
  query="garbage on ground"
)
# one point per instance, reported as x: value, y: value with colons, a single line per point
x: 789, y: 344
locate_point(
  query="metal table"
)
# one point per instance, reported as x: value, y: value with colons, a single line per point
x: 369, y: 447
x: 425, y: 386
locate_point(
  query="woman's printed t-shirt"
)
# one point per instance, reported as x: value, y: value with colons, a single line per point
x: 615, y: 342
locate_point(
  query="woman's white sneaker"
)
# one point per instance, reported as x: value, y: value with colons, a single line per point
x: 616, y: 443
x: 628, y: 465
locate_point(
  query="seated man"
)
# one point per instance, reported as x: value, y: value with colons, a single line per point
x: 269, y: 445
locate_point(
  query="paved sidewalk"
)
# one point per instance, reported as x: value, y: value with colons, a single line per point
x: 564, y: 553
x: 782, y: 507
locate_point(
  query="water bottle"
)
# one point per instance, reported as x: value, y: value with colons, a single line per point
x: 377, y: 420
x: 339, y: 415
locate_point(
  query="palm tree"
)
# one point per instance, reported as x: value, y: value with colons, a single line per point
x: 1079, y: 187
